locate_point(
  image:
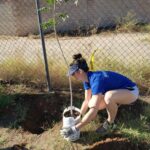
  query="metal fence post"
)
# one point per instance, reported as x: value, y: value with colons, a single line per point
x: 43, y: 42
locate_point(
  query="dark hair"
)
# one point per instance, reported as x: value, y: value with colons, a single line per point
x: 80, y: 61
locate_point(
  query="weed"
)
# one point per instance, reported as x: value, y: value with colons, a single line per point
x: 129, y: 23
x: 2, y: 141
x: 126, y: 23
x: 144, y: 28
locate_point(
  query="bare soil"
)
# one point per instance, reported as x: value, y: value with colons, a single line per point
x: 41, y: 111
x: 39, y: 129
x: 116, y: 143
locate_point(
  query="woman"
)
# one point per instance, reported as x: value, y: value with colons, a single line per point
x: 103, y: 90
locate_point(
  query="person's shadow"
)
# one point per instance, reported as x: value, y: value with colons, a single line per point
x: 16, y: 147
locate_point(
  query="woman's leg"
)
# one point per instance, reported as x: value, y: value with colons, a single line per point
x: 115, y: 97
x: 102, y: 104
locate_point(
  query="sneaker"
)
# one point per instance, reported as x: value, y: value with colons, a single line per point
x: 106, y: 128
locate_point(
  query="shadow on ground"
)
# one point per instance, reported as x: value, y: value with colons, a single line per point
x: 16, y: 147
x: 33, y: 112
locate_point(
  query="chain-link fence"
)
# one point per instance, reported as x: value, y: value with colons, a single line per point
x: 117, y: 33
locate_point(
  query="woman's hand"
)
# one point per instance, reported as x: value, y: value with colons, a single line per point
x: 70, y: 134
x: 91, y: 114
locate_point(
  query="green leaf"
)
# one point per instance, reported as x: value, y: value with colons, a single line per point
x: 50, y: 2
x: 63, y: 16
x: 44, y: 9
x: 50, y: 23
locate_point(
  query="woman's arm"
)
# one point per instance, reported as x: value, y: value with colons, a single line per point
x: 91, y: 114
x: 84, y: 106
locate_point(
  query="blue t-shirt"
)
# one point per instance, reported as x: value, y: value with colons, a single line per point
x: 103, y: 81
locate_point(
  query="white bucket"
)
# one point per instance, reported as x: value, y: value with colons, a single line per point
x: 70, y: 121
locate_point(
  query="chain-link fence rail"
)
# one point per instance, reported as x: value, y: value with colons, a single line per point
x: 117, y: 33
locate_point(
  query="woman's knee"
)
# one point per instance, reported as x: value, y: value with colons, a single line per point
x: 108, y: 97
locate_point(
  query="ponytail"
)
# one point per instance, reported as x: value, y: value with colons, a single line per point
x: 80, y: 61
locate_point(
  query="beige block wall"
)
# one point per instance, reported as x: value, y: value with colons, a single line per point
x: 7, y: 20
x: 24, y: 12
x: 107, y: 11
x: 18, y: 17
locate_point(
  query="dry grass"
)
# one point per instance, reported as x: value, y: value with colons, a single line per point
x: 20, y: 71
x: 129, y: 23
x: 147, y: 39
x: 118, y: 52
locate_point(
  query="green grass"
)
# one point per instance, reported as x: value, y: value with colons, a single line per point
x: 137, y: 129
x: 134, y: 128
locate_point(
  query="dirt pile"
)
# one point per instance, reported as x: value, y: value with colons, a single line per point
x: 116, y: 143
